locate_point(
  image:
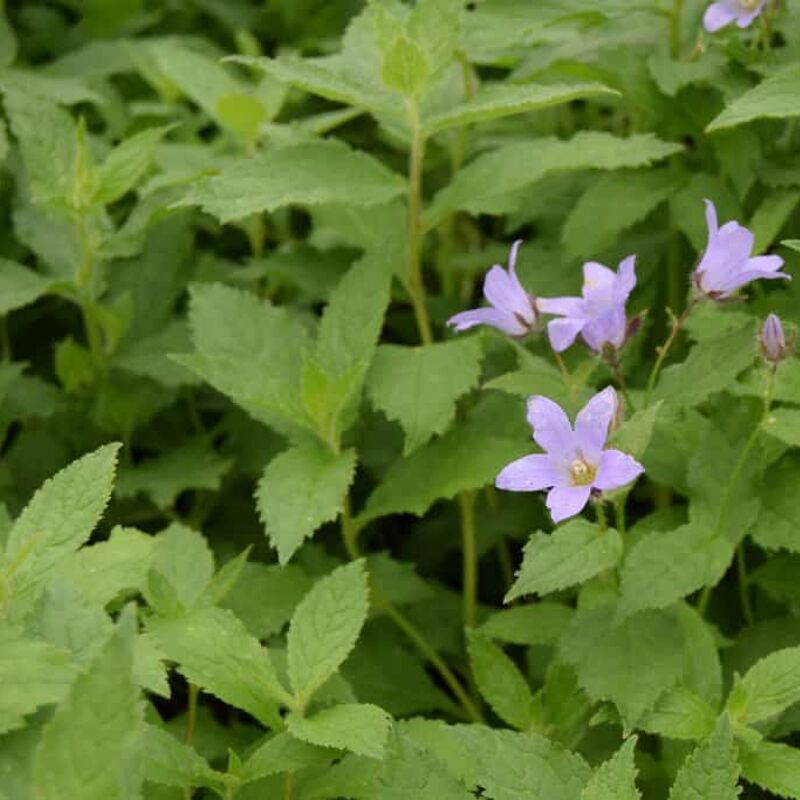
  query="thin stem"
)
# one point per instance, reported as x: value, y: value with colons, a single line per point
x: 288, y: 786
x: 506, y: 567
x: 744, y: 594
x: 677, y: 324
x: 5, y: 339
x: 469, y: 550
x: 601, y: 514
x: 191, y: 724
x: 565, y: 374
x: 619, y: 376
x: 349, y: 538
x: 675, y: 28
x: 619, y: 511
x: 416, y: 287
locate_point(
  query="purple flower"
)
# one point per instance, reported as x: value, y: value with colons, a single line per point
x: 512, y: 308
x: 772, y: 340
x: 599, y: 316
x: 723, y: 12
x: 727, y: 264
x: 574, y: 462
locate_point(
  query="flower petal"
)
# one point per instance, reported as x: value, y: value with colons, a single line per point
x: 616, y: 469
x: 754, y: 269
x: 609, y: 327
x: 562, y: 332
x: 566, y: 306
x: 726, y: 255
x: 551, y: 428
x: 717, y: 16
x: 567, y: 501
x: 626, y: 278
x: 487, y: 316
x: 530, y: 474
x: 745, y: 19
x: 506, y: 294
x: 593, y: 422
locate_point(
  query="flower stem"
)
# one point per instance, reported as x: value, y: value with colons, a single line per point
x: 416, y: 287
x: 744, y: 594
x: 601, y: 514
x: 565, y: 374
x: 619, y: 510
x: 675, y: 28
x: 469, y: 550
x: 349, y: 538
x: 677, y: 324
x: 619, y: 376
x: 191, y: 723
x: 288, y: 786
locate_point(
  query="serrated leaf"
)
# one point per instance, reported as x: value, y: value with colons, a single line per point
x: 500, y: 681
x: 539, y: 623
x: 711, y: 771
x: 305, y: 174
x: 711, y: 366
x: 679, y: 714
x: 325, y: 627
x: 571, y: 554
x: 57, y: 521
x: 181, y: 567
x: 32, y: 673
x: 358, y: 727
x: 405, y: 67
x: 772, y: 766
x: 125, y: 165
x: 634, y: 435
x: 503, y: 100
x: 769, y: 686
x: 215, y: 652
x: 611, y: 205
x: 784, y: 424
x: 20, y: 286
x: 300, y: 490
x: 771, y: 216
x: 172, y: 763
x: 778, y: 517
x: 631, y: 663
x: 418, y: 386
x: 87, y: 747
x: 283, y: 753
x: 484, y: 185
x: 250, y: 351
x: 615, y: 779
x: 774, y: 98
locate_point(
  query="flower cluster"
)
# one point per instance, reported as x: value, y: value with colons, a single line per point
x: 575, y: 464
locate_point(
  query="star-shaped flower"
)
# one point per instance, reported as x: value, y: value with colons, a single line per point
x: 723, y: 12
x: 512, y: 309
x: 575, y: 462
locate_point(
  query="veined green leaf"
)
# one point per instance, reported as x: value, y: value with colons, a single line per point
x: 358, y: 727
x: 615, y: 779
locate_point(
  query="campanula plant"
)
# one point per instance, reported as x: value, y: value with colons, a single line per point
x: 272, y: 523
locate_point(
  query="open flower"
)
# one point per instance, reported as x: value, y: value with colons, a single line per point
x: 723, y: 12
x: 575, y: 462
x: 512, y: 309
x: 727, y: 264
x: 599, y: 315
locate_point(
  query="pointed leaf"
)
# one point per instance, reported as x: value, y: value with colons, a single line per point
x: 358, y: 727
x: 615, y: 779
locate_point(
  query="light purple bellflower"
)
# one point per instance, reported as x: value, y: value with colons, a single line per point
x: 599, y: 315
x: 727, y: 263
x: 772, y: 340
x: 512, y: 309
x: 723, y: 12
x: 575, y: 462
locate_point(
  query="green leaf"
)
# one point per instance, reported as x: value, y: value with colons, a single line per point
x: 784, y: 424
x: 405, y: 67
x: 125, y: 165
x: 611, y: 205
x: 774, y: 98
x: 87, y: 747
x: 20, y: 286
x: 250, y: 351
x: 711, y: 771
x: 325, y: 627
x: 181, y: 567
x: 769, y: 686
x: 304, y: 174
x: 57, y: 521
x: 282, y: 753
x: 500, y: 681
x: 615, y: 779
x: 172, y: 763
x: 300, y: 489
x: 503, y: 100
x: 631, y: 663
x: 487, y: 185
x: 778, y: 517
x: 711, y: 366
x: 418, y: 386
x: 214, y: 651
x: 665, y: 566
x: 571, y: 554
x: 772, y: 766
x: 358, y: 727
x: 771, y: 216
x: 634, y: 435
x: 539, y: 623
x: 193, y: 464
x: 680, y: 714
x: 32, y: 673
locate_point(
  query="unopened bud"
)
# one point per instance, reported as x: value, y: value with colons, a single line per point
x: 772, y: 340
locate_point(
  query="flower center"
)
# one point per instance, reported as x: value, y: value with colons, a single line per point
x: 582, y: 474
x: 749, y: 5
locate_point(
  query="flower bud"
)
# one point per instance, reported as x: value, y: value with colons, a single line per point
x: 772, y: 340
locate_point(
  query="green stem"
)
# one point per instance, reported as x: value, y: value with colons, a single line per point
x: 466, y: 505
x: 601, y: 514
x: 619, y: 510
x: 288, y: 786
x: 416, y: 286
x: 677, y: 324
x: 5, y: 339
x: 619, y: 376
x: 565, y: 374
x: 744, y: 594
x: 191, y: 724
x: 675, y: 28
